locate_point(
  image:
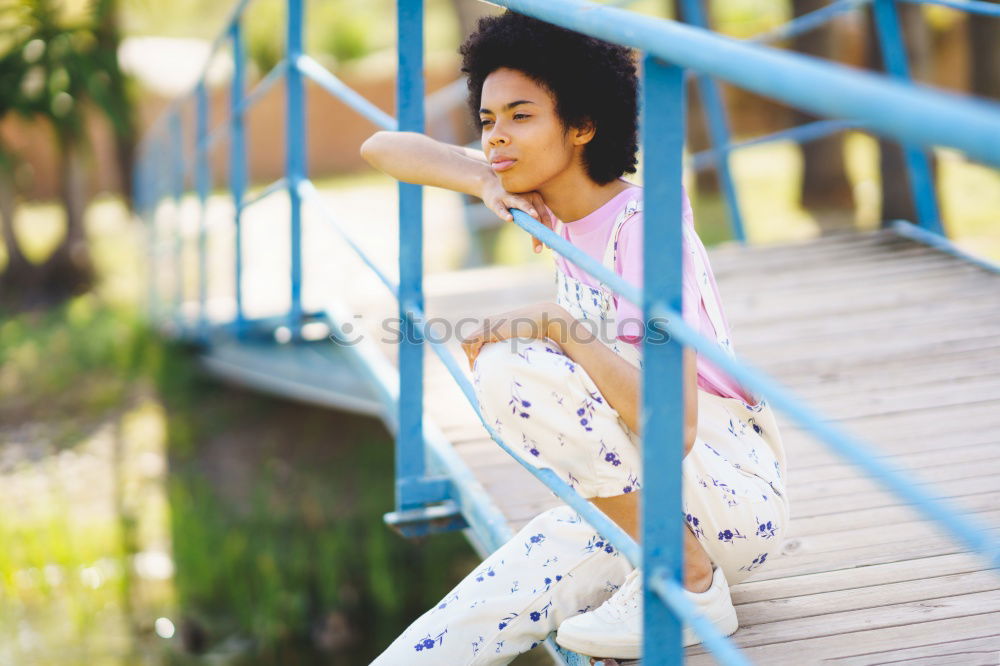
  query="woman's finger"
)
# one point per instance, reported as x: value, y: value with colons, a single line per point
x: 501, y: 209
x: 545, y: 218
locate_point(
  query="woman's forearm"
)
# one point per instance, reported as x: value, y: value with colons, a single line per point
x: 416, y: 158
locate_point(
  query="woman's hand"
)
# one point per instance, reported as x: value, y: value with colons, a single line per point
x: 533, y: 321
x: 499, y: 200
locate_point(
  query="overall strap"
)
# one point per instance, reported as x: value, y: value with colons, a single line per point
x: 632, y: 207
x: 701, y: 271
x: 705, y: 290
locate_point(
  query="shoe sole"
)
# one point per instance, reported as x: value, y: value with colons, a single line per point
x: 728, y: 625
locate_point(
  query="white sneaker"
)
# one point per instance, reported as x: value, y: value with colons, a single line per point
x: 614, y: 629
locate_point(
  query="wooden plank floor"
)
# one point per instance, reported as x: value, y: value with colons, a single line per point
x: 898, y: 343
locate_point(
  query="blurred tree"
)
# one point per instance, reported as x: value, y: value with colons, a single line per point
x: 984, y: 54
x: 698, y: 136
x: 897, y: 200
x: 825, y: 187
x: 52, y: 69
x: 335, y: 32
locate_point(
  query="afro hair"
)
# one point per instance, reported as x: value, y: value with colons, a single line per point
x: 590, y: 79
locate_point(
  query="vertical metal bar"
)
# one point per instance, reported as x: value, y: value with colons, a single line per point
x: 410, y: 112
x: 718, y: 127
x: 662, y: 420
x: 922, y: 186
x: 177, y: 186
x: 237, y: 162
x: 158, y: 175
x: 144, y: 204
x: 295, y: 167
x: 202, y: 177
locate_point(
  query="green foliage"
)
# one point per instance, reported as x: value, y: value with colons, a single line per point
x: 271, y: 511
x: 338, y: 30
x: 80, y: 357
x: 52, y: 62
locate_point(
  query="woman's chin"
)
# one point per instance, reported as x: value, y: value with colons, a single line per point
x: 516, y: 185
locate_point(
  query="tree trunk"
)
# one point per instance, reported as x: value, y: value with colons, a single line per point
x: 16, y: 261
x: 897, y: 199
x: 698, y: 135
x: 984, y: 55
x: 122, y: 119
x: 70, y: 270
x: 825, y: 186
x: 18, y: 283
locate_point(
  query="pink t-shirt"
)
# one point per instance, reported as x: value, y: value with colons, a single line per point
x: 591, y: 234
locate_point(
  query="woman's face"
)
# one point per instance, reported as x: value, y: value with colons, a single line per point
x: 523, y: 138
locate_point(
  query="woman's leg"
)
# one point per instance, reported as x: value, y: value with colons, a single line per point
x: 733, y: 500
x: 624, y: 510
x: 549, y: 411
x: 531, y: 392
x: 555, y: 567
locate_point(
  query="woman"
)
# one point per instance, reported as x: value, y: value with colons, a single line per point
x: 559, y: 128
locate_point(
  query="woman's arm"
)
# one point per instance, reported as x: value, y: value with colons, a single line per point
x: 619, y: 380
x: 416, y: 158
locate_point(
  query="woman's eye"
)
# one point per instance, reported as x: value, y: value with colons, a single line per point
x: 484, y: 123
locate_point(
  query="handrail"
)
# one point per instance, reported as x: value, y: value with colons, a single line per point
x: 847, y: 98
x: 895, y: 110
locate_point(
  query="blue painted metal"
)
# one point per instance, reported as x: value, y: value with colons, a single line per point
x: 800, y: 134
x: 280, y: 185
x: 435, y: 490
x: 237, y: 160
x: 625, y: 544
x: 264, y: 85
x: 971, y: 532
x: 344, y: 93
x: 718, y: 127
x: 410, y: 462
x: 177, y: 191
x: 662, y: 417
x: 203, y: 183
x: 295, y: 152
x: 918, y: 165
x: 943, y: 243
x: 807, y: 22
x: 895, y: 109
x: 310, y: 192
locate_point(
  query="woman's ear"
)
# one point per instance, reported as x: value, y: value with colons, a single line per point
x: 585, y: 133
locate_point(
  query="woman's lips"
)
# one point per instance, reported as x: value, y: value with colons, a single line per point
x: 502, y: 165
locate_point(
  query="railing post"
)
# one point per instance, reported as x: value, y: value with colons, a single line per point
x: 662, y: 418
x: 177, y: 187
x: 202, y: 177
x: 145, y: 202
x: 295, y: 158
x: 715, y: 113
x: 237, y: 162
x: 410, y: 114
x: 893, y: 49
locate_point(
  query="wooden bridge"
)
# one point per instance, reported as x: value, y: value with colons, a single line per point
x: 890, y: 335
x: 897, y: 341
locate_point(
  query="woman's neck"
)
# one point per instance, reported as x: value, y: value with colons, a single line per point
x: 571, y: 199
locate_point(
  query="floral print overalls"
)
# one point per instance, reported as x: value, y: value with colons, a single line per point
x: 548, y: 409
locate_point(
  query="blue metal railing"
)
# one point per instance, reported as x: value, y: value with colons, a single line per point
x: 918, y: 117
